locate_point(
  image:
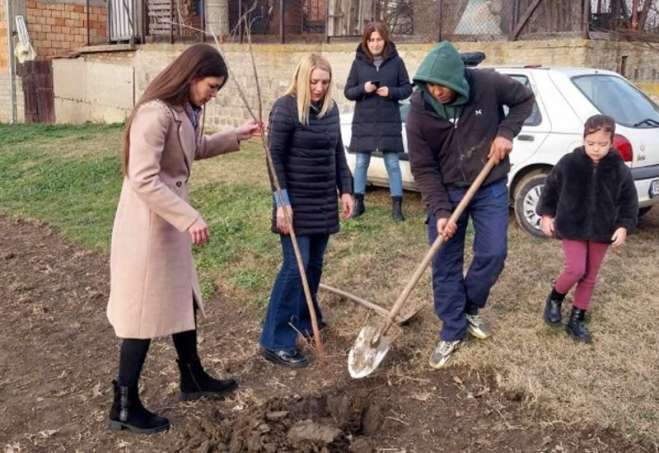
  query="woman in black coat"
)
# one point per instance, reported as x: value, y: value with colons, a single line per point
x: 308, y: 157
x: 377, y: 81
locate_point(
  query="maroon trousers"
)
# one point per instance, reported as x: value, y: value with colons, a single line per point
x: 582, y: 263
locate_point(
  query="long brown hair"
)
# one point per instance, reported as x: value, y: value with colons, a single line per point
x: 172, y: 84
x: 383, y: 30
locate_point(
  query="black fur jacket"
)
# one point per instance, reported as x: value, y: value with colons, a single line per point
x: 587, y: 201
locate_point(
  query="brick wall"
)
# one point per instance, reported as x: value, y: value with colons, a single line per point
x: 4, y: 63
x: 57, y: 27
x: 277, y: 62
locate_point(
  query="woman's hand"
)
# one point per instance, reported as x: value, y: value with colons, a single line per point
x: 547, y: 225
x: 383, y: 91
x: 198, y: 232
x: 347, y: 204
x: 619, y: 237
x: 369, y: 87
x: 249, y: 129
x: 282, y: 225
x: 446, y: 229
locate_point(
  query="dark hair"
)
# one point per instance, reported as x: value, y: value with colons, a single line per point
x: 172, y: 84
x: 382, y: 29
x: 599, y: 123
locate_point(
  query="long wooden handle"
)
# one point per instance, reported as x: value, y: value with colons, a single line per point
x: 434, y: 247
x: 375, y: 307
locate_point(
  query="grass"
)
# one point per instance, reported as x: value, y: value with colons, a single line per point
x: 70, y: 177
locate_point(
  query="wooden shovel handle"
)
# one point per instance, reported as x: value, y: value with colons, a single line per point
x: 457, y: 212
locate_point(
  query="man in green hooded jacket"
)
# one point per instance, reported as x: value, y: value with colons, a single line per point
x: 456, y: 123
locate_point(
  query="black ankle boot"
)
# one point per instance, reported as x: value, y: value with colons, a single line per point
x: 397, y: 209
x: 128, y: 413
x: 576, y: 326
x: 358, y: 208
x: 196, y: 383
x: 553, y: 303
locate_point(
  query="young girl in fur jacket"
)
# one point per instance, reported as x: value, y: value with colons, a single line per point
x: 589, y: 201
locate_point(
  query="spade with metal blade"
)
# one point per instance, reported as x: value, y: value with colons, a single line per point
x: 373, y: 342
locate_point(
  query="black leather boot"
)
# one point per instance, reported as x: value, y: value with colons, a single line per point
x: 576, y: 326
x: 553, y: 303
x: 358, y: 208
x: 128, y: 413
x: 196, y: 383
x: 397, y: 209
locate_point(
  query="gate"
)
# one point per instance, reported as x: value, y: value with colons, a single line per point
x: 38, y: 91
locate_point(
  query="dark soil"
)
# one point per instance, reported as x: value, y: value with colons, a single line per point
x: 59, y: 354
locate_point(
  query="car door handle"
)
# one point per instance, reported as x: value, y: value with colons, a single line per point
x: 526, y: 138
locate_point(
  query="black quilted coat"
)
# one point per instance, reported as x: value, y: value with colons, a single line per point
x: 376, y: 123
x: 310, y: 164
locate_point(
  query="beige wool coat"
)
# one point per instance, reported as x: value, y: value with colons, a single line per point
x: 152, y: 275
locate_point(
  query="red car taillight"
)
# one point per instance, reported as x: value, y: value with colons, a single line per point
x: 624, y: 147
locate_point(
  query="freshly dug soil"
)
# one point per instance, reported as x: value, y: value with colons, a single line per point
x: 59, y: 355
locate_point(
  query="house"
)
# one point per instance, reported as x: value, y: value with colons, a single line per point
x: 80, y: 42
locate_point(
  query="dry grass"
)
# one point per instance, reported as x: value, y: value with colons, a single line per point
x: 614, y: 382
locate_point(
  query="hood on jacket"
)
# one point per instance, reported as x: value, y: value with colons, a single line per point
x: 443, y: 66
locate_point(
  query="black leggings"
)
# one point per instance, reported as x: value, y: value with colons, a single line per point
x: 133, y: 353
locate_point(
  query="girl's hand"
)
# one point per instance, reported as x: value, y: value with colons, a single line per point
x: 619, y: 237
x: 446, y: 229
x: 369, y: 87
x: 198, y: 232
x: 383, y: 91
x: 547, y: 225
x: 249, y: 129
x: 282, y: 225
x: 346, y: 205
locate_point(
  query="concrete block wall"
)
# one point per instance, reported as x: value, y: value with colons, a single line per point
x: 276, y: 64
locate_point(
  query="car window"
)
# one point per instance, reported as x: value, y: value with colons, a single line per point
x: 619, y: 99
x: 535, y: 117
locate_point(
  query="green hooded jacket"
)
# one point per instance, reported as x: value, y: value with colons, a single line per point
x: 443, y: 66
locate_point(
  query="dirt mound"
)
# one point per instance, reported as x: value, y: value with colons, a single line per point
x: 62, y: 356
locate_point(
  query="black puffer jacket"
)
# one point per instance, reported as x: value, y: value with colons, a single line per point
x: 589, y: 202
x: 311, y: 165
x: 376, y: 123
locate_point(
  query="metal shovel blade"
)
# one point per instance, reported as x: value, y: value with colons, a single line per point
x: 364, y: 357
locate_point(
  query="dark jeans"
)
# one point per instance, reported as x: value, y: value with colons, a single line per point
x: 287, y: 311
x: 456, y: 294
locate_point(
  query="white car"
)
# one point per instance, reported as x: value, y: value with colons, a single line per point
x: 565, y: 98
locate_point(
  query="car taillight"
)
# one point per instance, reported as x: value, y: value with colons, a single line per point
x: 624, y: 147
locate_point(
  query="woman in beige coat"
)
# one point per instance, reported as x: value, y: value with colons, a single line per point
x: 154, y: 289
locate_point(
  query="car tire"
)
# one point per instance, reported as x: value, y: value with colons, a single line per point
x: 525, y: 199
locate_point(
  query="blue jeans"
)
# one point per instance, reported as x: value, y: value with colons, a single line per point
x: 456, y: 294
x: 287, y: 311
x: 393, y: 171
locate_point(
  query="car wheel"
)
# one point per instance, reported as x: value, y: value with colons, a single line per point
x: 526, y: 196
x: 643, y: 211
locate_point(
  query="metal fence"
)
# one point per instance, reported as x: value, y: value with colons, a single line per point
x: 420, y: 20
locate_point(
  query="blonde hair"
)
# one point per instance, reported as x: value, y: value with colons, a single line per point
x: 300, y: 86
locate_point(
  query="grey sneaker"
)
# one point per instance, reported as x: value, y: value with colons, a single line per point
x: 443, y: 352
x: 477, y: 327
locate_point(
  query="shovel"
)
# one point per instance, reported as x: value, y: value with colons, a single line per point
x: 400, y: 318
x: 373, y: 343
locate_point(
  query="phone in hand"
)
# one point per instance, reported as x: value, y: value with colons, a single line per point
x: 376, y: 83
